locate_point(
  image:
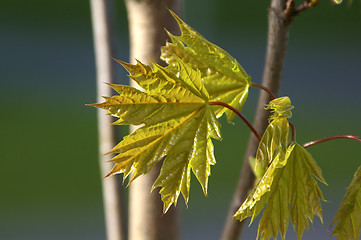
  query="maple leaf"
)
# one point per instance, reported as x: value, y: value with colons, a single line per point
x: 224, y: 78
x: 178, y: 127
x: 348, y: 216
x: 289, y: 189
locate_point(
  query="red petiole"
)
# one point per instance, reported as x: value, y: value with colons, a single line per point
x: 312, y: 143
x: 306, y: 145
x: 239, y: 115
x: 264, y: 89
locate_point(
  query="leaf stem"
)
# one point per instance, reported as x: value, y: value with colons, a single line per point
x: 264, y: 89
x: 293, y: 131
x: 239, y: 115
x: 309, y: 144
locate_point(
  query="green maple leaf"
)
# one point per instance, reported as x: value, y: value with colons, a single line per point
x: 348, y: 216
x: 289, y: 189
x: 178, y: 127
x: 224, y: 78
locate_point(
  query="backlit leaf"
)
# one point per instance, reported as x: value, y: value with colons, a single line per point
x: 178, y: 127
x: 280, y: 108
x: 288, y: 190
x: 224, y: 78
x: 348, y: 216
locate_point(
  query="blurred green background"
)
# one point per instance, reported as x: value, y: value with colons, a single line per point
x: 50, y: 183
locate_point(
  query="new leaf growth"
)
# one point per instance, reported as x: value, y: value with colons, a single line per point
x: 287, y: 188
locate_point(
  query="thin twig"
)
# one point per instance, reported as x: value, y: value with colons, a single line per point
x: 239, y: 114
x: 278, y: 29
x: 291, y: 11
x: 112, y: 195
x: 325, y: 139
x: 290, y: 5
x: 147, y: 20
x: 304, y: 6
x: 273, y: 96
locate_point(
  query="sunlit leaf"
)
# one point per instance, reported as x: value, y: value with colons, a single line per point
x: 348, y: 216
x: 288, y: 190
x: 280, y: 108
x: 224, y: 78
x: 178, y: 127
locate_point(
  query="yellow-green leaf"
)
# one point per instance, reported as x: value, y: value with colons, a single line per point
x: 348, y: 216
x: 193, y: 151
x: 178, y: 127
x: 224, y: 78
x: 135, y: 107
x: 159, y: 80
x: 280, y: 107
x: 287, y: 190
x: 166, y: 96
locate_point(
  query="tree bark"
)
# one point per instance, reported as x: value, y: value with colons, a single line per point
x: 278, y: 30
x: 112, y: 195
x: 147, y: 20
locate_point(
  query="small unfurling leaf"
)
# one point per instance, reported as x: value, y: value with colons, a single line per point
x: 224, y: 78
x: 287, y: 190
x: 348, y: 216
x: 280, y: 108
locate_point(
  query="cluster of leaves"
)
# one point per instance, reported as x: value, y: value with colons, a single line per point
x: 286, y: 181
x: 178, y: 117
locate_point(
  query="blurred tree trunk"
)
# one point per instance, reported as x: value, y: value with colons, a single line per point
x: 278, y: 30
x: 112, y: 196
x: 147, y: 21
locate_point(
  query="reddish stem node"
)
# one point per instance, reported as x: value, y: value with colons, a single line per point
x: 239, y: 115
x: 309, y: 144
x: 264, y: 89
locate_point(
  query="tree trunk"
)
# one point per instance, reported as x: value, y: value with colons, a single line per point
x: 278, y: 29
x: 147, y: 20
x: 112, y: 196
